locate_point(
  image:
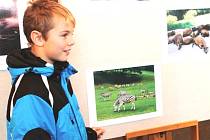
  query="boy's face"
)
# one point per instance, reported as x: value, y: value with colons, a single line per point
x: 59, y: 40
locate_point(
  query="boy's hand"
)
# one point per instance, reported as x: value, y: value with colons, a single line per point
x: 100, y: 131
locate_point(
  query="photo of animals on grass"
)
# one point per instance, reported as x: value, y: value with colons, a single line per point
x: 124, y: 92
x: 188, y: 32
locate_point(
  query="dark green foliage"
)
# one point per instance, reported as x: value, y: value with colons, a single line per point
x: 180, y: 13
x: 116, y: 77
x: 203, y: 11
x: 121, y: 76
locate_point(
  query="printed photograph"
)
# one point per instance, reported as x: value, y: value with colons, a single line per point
x: 188, y: 32
x: 9, y: 30
x: 9, y: 27
x: 125, y: 92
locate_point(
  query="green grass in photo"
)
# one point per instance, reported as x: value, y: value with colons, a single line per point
x: 144, y: 104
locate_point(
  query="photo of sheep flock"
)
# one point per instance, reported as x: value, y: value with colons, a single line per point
x: 124, y: 92
x: 188, y: 32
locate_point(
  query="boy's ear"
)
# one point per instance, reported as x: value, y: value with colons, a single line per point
x: 37, y: 38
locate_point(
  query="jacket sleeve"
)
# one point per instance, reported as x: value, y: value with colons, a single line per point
x: 32, y: 119
x: 37, y: 134
x: 92, y: 135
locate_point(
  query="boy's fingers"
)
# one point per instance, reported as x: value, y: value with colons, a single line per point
x: 99, y: 131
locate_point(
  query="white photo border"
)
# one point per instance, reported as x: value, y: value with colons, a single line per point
x: 92, y: 103
x: 183, y: 56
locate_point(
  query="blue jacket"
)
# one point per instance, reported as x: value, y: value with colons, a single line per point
x: 42, y: 103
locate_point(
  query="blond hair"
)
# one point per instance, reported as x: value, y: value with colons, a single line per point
x: 39, y: 16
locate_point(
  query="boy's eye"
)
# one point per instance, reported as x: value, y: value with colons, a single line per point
x: 64, y: 35
x: 67, y: 34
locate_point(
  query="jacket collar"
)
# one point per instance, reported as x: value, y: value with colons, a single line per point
x: 23, y: 61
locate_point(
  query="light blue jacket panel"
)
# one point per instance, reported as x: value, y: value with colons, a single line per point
x: 31, y: 111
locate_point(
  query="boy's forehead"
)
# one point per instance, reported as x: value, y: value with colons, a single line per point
x: 63, y: 23
x: 63, y: 19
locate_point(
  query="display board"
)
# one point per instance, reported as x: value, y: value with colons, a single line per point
x: 131, y: 37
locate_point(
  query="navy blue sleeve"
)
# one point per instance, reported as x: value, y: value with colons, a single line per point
x: 92, y: 135
x: 37, y: 134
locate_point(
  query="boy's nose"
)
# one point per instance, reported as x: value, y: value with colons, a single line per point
x: 70, y: 44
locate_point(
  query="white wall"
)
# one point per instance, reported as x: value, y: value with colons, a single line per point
x: 4, y: 93
x: 120, y: 33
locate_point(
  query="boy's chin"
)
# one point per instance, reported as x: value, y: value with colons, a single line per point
x: 61, y: 59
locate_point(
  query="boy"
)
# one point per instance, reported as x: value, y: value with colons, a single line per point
x: 42, y: 105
